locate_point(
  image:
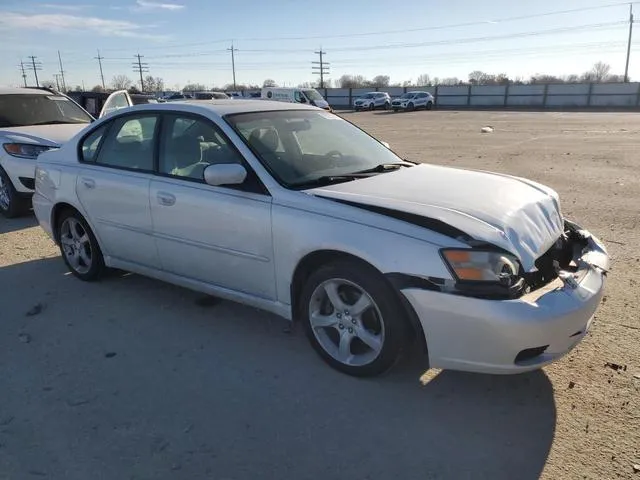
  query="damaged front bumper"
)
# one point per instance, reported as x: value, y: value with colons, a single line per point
x: 520, y: 334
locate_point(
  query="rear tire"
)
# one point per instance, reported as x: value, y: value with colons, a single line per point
x: 353, y: 318
x: 429, y: 106
x: 387, y: 105
x: 12, y: 205
x: 79, y: 247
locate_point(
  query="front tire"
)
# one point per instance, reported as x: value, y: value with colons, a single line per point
x: 12, y: 205
x: 353, y: 318
x: 372, y: 107
x: 79, y: 247
x: 411, y: 107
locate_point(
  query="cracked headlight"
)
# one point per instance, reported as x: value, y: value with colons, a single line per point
x: 483, y: 266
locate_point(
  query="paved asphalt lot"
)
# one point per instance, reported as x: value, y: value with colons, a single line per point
x: 130, y: 378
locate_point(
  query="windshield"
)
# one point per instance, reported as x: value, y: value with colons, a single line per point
x: 408, y: 95
x: 22, y: 110
x: 312, y: 95
x: 367, y: 95
x: 300, y: 146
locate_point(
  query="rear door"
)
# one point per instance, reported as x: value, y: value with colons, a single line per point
x: 113, y: 186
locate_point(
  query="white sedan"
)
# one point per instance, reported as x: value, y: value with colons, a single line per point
x: 293, y: 210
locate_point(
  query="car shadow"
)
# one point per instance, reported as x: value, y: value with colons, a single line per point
x: 159, y: 381
x: 8, y: 225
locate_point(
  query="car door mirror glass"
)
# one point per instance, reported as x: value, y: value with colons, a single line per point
x: 225, y: 174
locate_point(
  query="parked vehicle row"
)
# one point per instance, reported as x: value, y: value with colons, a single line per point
x: 408, y: 101
x: 291, y: 209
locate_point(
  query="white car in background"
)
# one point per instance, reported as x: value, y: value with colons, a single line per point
x: 410, y: 101
x: 31, y: 122
x: 294, y: 210
x: 123, y: 99
x: 372, y: 101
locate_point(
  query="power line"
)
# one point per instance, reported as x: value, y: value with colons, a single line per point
x: 398, y: 31
x: 35, y: 66
x: 99, y: 58
x: 320, y: 67
x: 140, y: 67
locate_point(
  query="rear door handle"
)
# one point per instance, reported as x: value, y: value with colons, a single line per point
x: 166, y: 199
x: 88, y: 182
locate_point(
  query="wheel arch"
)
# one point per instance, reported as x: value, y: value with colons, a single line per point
x: 314, y: 260
x: 63, y: 206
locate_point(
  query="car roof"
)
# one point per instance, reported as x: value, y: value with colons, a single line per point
x: 23, y: 91
x: 222, y: 107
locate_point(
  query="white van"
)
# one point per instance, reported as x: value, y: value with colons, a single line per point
x: 309, y: 96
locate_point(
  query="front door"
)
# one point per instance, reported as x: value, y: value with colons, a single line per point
x: 113, y: 187
x: 218, y: 235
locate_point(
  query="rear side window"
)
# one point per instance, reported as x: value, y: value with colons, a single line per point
x: 129, y: 143
x: 91, y: 144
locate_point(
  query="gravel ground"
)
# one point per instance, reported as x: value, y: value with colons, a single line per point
x: 130, y: 378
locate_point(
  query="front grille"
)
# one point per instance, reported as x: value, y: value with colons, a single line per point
x: 28, y: 182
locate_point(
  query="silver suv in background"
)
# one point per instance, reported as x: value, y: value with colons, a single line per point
x: 410, y: 101
x: 372, y: 100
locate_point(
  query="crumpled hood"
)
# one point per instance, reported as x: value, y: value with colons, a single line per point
x: 518, y: 215
x: 51, y: 135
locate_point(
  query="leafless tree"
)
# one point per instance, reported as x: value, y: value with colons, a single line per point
x: 380, y: 81
x: 269, y: 83
x: 120, y: 82
x: 352, y: 81
x: 153, y: 84
x: 600, y: 71
x: 423, y: 80
x: 97, y: 88
x: 194, y: 87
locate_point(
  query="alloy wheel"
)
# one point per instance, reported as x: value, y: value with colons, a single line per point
x: 76, y: 245
x: 346, y: 322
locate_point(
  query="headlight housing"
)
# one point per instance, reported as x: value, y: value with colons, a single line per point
x: 25, y: 150
x: 482, y: 266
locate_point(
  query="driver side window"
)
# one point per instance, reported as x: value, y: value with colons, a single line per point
x: 188, y: 145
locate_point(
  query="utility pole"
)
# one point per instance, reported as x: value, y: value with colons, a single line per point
x: 140, y: 67
x: 320, y: 67
x: 36, y: 66
x: 233, y: 63
x: 626, y: 67
x: 64, y: 84
x: 24, y: 75
x: 57, y: 77
x: 99, y: 58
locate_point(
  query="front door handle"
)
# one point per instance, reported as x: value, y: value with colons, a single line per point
x: 166, y: 199
x: 88, y: 182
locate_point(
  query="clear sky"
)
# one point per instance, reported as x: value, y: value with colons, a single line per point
x: 186, y: 40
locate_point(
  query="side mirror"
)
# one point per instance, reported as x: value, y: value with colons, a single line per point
x: 303, y: 100
x: 386, y: 145
x: 225, y: 174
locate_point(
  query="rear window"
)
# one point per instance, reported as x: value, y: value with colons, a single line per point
x: 136, y: 100
x: 23, y: 110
